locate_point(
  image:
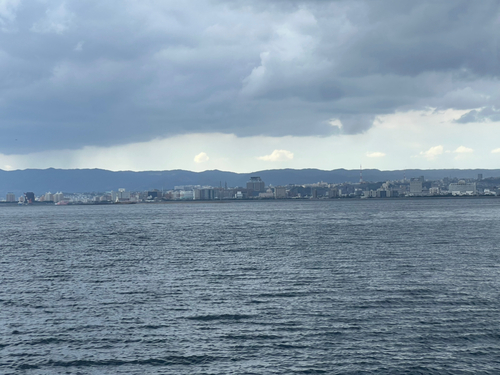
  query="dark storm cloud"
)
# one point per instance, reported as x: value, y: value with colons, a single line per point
x: 480, y: 115
x: 100, y: 73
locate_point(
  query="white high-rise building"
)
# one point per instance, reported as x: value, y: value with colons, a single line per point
x: 462, y: 187
x: 58, y: 197
x: 416, y: 186
x: 186, y: 195
x: 122, y: 195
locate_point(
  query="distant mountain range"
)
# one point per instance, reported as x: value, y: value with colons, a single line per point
x: 99, y: 180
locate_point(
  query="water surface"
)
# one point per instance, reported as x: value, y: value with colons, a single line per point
x: 344, y: 286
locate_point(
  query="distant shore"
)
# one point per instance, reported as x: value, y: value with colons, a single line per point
x: 431, y: 197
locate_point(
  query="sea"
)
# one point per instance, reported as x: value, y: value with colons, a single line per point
x: 387, y: 286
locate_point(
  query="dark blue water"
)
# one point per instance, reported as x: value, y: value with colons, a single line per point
x: 347, y: 287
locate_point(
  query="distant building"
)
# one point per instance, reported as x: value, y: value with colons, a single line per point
x: 49, y: 197
x: 266, y: 195
x: 58, y: 197
x: 204, y: 194
x: 280, y: 192
x: 333, y: 193
x: 370, y: 194
x: 122, y: 195
x: 11, y: 197
x: 434, y: 191
x: 186, y: 195
x: 416, y: 186
x: 153, y: 194
x: 106, y: 198
x: 479, y: 176
x: 463, y: 188
x: 255, y: 186
x: 314, y: 193
x: 394, y: 193
x: 29, y: 197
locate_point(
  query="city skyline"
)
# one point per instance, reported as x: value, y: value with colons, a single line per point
x: 215, y: 185
x: 256, y: 189
x: 244, y: 86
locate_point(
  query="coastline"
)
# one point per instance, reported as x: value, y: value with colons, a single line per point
x: 225, y: 201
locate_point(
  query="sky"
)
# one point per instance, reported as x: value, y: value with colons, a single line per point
x: 249, y: 85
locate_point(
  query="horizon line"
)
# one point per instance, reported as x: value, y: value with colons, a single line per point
x: 262, y: 170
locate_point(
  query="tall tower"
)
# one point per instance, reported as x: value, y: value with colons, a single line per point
x: 360, y: 174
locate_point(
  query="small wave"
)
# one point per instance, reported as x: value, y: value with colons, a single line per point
x: 253, y: 337
x: 285, y: 294
x: 311, y: 371
x: 167, y: 361
x: 152, y: 326
x: 48, y: 340
x: 291, y: 346
x: 257, y: 301
x: 208, y: 318
x: 26, y: 366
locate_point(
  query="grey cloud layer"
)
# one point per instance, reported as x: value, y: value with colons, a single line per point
x: 99, y: 73
x: 480, y: 115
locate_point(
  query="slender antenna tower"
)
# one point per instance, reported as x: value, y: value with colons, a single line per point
x: 360, y: 174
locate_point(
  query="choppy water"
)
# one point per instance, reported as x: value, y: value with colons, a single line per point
x: 403, y: 286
